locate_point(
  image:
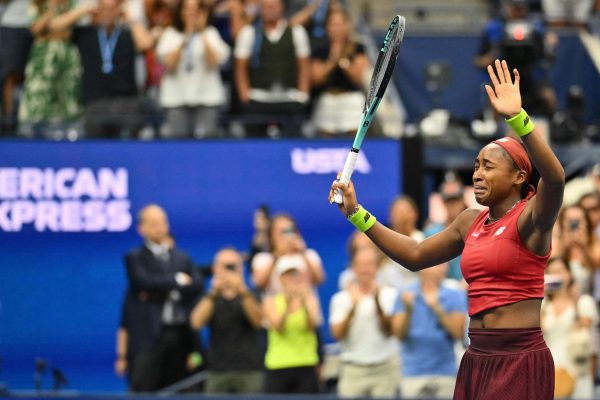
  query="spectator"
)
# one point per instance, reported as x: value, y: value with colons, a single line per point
x: 580, y: 185
x: 337, y: 70
x: 272, y: 72
x: 568, y: 322
x: 452, y: 193
x: 15, y: 42
x: 293, y: 316
x: 590, y: 203
x: 234, y: 315
x: 285, y: 239
x: 239, y: 14
x: 160, y: 15
x: 360, y: 318
x: 311, y: 14
x: 522, y: 41
x: 108, y: 48
x: 260, y: 239
x: 192, y: 91
x: 577, y: 245
x: 163, y: 286
x: 356, y: 242
x: 403, y: 218
x: 562, y: 13
x: 50, y: 100
x: 124, y: 359
x: 595, y: 173
x: 429, y: 317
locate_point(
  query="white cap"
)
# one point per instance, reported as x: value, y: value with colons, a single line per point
x: 289, y: 262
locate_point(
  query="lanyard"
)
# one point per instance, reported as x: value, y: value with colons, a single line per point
x: 188, y: 55
x: 319, y: 19
x: 107, y: 47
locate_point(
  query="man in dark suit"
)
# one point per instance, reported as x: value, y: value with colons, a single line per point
x: 163, y: 287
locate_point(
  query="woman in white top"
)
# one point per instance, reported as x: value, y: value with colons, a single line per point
x: 287, y: 243
x: 568, y: 322
x: 191, y: 90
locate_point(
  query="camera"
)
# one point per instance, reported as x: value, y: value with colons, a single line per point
x: 552, y: 283
x: 518, y: 43
x: 231, y: 267
x: 289, y: 232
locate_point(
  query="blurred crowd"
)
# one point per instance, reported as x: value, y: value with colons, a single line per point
x: 173, y: 68
x: 398, y: 333
x: 147, y: 69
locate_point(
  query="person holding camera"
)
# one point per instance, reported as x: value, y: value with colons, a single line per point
x: 577, y: 244
x: 260, y: 238
x: 522, y: 41
x: 568, y: 322
x: 234, y: 316
x: 285, y: 239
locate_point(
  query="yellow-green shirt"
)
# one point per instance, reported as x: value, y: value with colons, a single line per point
x: 296, y: 345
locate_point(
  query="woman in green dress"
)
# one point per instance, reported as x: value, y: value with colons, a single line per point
x: 50, y: 100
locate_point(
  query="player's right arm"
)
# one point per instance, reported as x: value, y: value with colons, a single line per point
x: 437, y: 249
x: 411, y: 254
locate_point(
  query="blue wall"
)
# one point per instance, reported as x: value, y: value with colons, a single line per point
x: 464, y: 97
x: 61, y: 292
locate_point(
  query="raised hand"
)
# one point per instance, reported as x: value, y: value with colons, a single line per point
x: 408, y: 298
x: 505, y: 96
x: 355, y: 293
x: 431, y: 298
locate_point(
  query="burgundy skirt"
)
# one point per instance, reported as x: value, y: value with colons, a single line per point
x: 507, y: 364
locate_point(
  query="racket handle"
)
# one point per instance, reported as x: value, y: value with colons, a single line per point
x: 338, y: 197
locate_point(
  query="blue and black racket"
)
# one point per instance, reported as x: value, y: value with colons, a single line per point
x: 384, y: 67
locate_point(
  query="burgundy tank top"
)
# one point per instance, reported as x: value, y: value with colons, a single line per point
x: 498, y: 267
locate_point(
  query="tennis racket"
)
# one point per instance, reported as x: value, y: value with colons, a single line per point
x: 384, y: 67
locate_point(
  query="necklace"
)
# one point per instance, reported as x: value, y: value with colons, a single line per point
x: 492, y: 220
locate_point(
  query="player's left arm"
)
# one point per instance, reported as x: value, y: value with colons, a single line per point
x: 545, y: 205
x: 537, y: 220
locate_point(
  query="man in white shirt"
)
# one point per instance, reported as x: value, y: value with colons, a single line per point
x: 360, y: 319
x: 272, y: 70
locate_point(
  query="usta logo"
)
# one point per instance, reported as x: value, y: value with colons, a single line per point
x: 325, y: 161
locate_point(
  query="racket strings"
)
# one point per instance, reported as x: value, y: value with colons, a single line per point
x: 381, y: 69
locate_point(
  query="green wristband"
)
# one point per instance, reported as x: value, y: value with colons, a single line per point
x: 521, y: 124
x: 362, y: 219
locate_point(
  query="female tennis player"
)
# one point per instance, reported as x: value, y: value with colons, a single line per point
x: 504, y: 250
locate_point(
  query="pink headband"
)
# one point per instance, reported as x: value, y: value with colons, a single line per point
x: 519, y: 155
x: 517, y: 152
